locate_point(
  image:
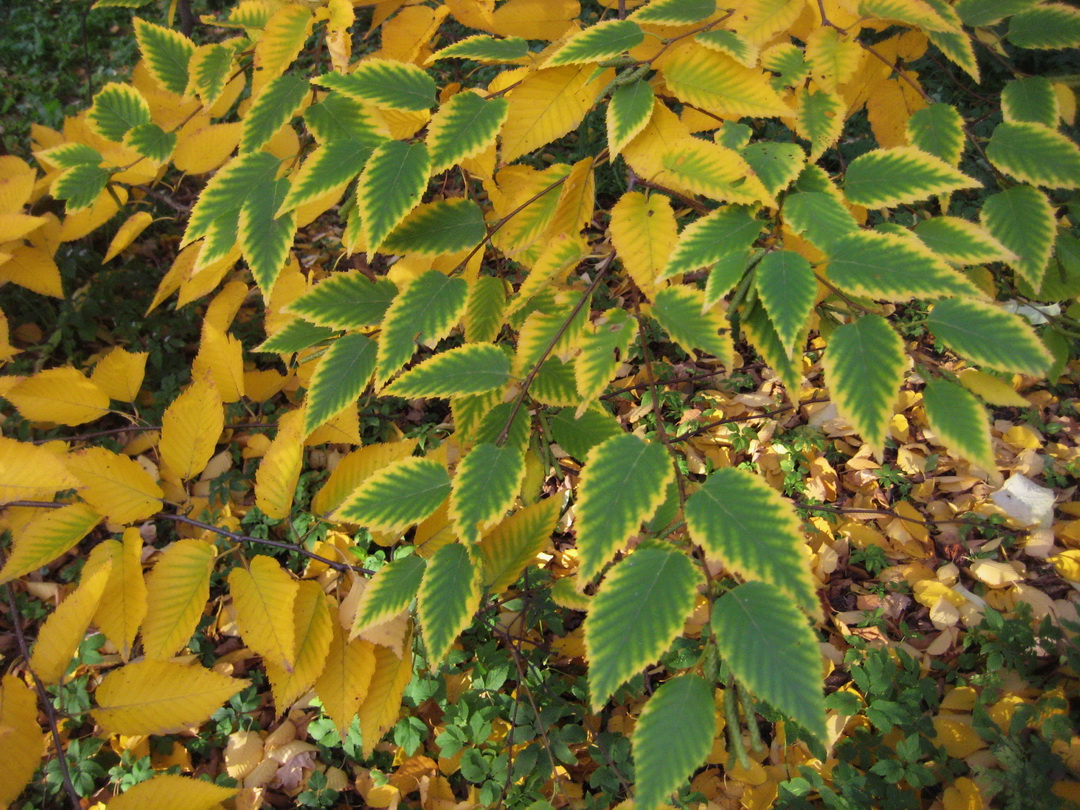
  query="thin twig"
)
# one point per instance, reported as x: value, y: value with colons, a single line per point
x: 690, y: 434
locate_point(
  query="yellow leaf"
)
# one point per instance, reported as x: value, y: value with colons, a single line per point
x: 222, y: 356
x: 120, y: 374
x: 88, y: 220
x: 275, y: 480
x: 338, y: 38
x: 714, y: 171
x: 31, y: 473
x: 1067, y: 564
x: 534, y: 19
x: 22, y: 747
x: 59, y: 637
x: 173, y: 791
x: 128, y: 233
x: 312, y: 630
x: 833, y: 59
x: 202, y: 146
x: 955, y: 734
x: 16, y: 183
x: 116, y: 486
x: 379, y: 710
x: 263, y: 597
x: 547, y: 105
x: 177, y: 590
x: 34, y: 269
x: 354, y: 468
x: 7, y: 351
x: 281, y: 42
x: 962, y: 794
x: 718, y: 84
x: 758, y: 20
x: 190, y: 429
x: 16, y: 226
x: 46, y: 536
x: 160, y: 697
x: 120, y: 615
x: 994, y: 573
x: 645, y: 152
x: 577, y: 199
x: 63, y: 395
x: 644, y: 232
x: 991, y: 389
x: 344, y: 681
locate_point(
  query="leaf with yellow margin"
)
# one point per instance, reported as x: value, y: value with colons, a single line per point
x: 46, y: 537
x: 31, y: 473
x: 714, y: 171
x: 173, y: 791
x: 160, y: 697
x: 514, y: 543
x: 23, y: 746
x: 115, y: 485
x: 177, y: 590
x: 718, y: 84
x: 312, y: 630
x: 282, y: 40
x: 120, y: 373
x: 190, y: 429
x: 345, y: 680
x: 263, y: 597
x: 352, y: 470
x: 644, y: 232
x: 279, y: 471
x: 60, y: 635
x: 120, y: 615
x: 63, y: 395
x: 547, y: 105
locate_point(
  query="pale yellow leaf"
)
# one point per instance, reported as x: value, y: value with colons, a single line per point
x: 128, y: 233
x: 116, y: 486
x: 313, y: 633
x: 22, y: 747
x: 46, y: 537
x: 120, y: 615
x: 63, y: 395
x: 174, y: 792
x: 190, y: 429
x: 263, y: 597
x: 31, y: 473
x: 177, y: 590
x: 379, y: 710
x: 88, y: 220
x: 275, y: 480
x: 644, y: 232
x: 344, y: 681
x: 61, y: 633
x: 120, y: 373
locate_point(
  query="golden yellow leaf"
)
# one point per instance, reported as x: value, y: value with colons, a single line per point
x: 202, y: 146
x: 645, y: 152
x: 120, y: 615
x: 46, y: 536
x: 116, y: 486
x: 62, y: 395
x: 243, y: 752
x: 644, y: 232
x: 190, y: 429
x: 577, y: 200
x: 34, y: 269
x: 955, y: 734
x: 962, y: 794
x: 275, y: 480
x: 222, y: 310
x: 1067, y: 564
x: 16, y: 183
x: 344, y: 681
x: 313, y: 633
x: 160, y: 697
x: 61, y: 633
x: 31, y: 473
x: 22, y: 747
x: 173, y: 791
x: 7, y: 351
x: 534, y: 19
x: 16, y: 226
x: 718, y: 84
x: 991, y: 389
x: 281, y: 41
x: 354, y: 468
x: 177, y: 590
x: 88, y: 220
x: 263, y: 597
x: 128, y: 233
x: 120, y: 373
x: 547, y: 105
x: 222, y: 356
x: 379, y: 710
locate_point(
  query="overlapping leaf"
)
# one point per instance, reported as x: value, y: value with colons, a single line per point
x: 278, y: 102
x: 888, y: 177
x: 961, y: 241
x: 177, y: 590
x: 597, y: 42
x: 470, y: 369
x: 449, y: 596
x: 116, y: 486
x: 989, y: 335
x: 346, y: 301
x: 344, y: 681
x: 464, y: 127
x: 167, y: 53
x: 47, y: 536
x: 515, y: 542
x: 1022, y: 219
x: 392, y: 183
x: 341, y: 377
x: 681, y: 312
x: 959, y: 421
x: 313, y: 631
x: 596, y: 365
x: 432, y: 229
x: 787, y: 288
x: 485, y: 486
x: 729, y: 229
x: 674, y: 12
x: 389, y: 592
x: 387, y: 84
x: 60, y: 635
x: 424, y: 311
x: 643, y: 231
x: 263, y: 596
x: 397, y: 496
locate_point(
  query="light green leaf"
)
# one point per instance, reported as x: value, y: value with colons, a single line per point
x: 80, y: 186
x: 674, y: 12
x: 223, y: 197
x: 989, y: 336
x: 1035, y: 154
x: 787, y: 288
x: 640, y: 609
x: 275, y: 106
x: 1048, y: 26
x: 623, y: 484
x: 515, y: 542
x: 389, y: 592
x: 425, y: 311
x: 464, y: 126
x: 343, y: 374
x: 264, y: 239
x: 776, y: 164
x: 340, y: 118
x: 295, y: 336
x: 976, y: 13
x: 397, y: 496
x: 743, y: 522
x: 485, y: 486
x: 437, y: 228
x: 891, y: 267
x: 1022, y: 219
x: 956, y: 45
x: 328, y: 166
x: 116, y: 109
x: 1031, y: 99
x: 772, y: 650
x: 491, y: 424
x: 819, y: 118
x: 391, y: 85
x: 167, y: 53
x: 449, y: 596
x: 484, y: 309
x: 595, y: 366
x: 151, y: 141
x: 889, y: 177
x: 761, y: 334
x: 961, y: 241
x: 939, y: 131
x: 819, y: 216
x: 681, y: 312
x: 734, y: 45
x: 555, y: 384
x: 470, y: 369
x: 392, y: 183
x: 629, y: 111
x: 211, y: 72
x: 672, y: 738
x: 724, y: 276
x: 577, y: 435
x: 864, y: 368
x: 69, y: 155
x: 598, y: 42
x: 346, y: 301
x: 959, y: 422
x: 486, y: 49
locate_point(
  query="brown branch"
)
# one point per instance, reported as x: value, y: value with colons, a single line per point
x: 690, y: 434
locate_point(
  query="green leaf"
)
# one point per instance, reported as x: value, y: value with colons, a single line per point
x: 623, y: 484
x: 515, y: 542
x: 493, y: 421
x: 340, y: 118
x: 820, y: 217
x: 761, y: 334
x: 397, y: 496
x: 679, y: 310
x: 151, y: 141
x: 598, y: 42
x: 329, y: 166
x: 776, y: 164
x: 976, y: 13
x: 386, y: 84
x: 628, y: 112
x: 675, y: 12
x: 989, y: 335
x: 275, y: 106
x: 69, y: 155
x: 819, y: 118
x: 640, y: 609
x: 464, y: 126
x: 392, y: 183
x: 389, y: 592
x: 1032, y: 100
x: 1062, y: 279
x: 596, y: 365
x: 891, y: 267
x: 577, y: 435
x: 485, y: 486
x: 484, y: 309
x: 672, y: 738
x: 223, y: 197
x: 772, y: 650
x: 211, y: 72
x: 1035, y: 154
x: 1022, y: 219
x: 470, y: 369
x: 959, y: 422
x: 433, y: 229
x: 734, y: 45
x: 743, y: 522
x: 484, y: 48
x: 939, y: 131
x: 724, y: 276
x: 168, y: 54
x: 555, y: 384
x: 960, y: 241
x: 341, y: 377
x: 864, y: 369
x: 449, y: 596
x: 787, y: 286
x: 425, y: 311
x: 1048, y: 26
x: 346, y: 301
x: 116, y: 109
x: 889, y: 177
x: 295, y: 336
x: 80, y: 186
x: 265, y: 239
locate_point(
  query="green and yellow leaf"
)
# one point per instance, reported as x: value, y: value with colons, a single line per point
x: 988, y: 335
x: 449, y: 596
x: 397, y: 496
x: 787, y: 287
x: 515, y: 542
x: 384, y: 83
x: 959, y: 422
x: 889, y: 177
x: 341, y: 377
x: 389, y: 592
x: 1022, y: 219
x: 47, y: 536
x: 729, y: 229
x: 681, y: 312
x: 167, y: 53
x: 485, y: 486
x: 425, y: 311
x: 312, y: 630
x: 598, y: 42
x: 1036, y: 154
x: 470, y: 369
x: 178, y: 588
